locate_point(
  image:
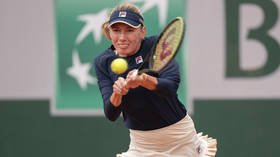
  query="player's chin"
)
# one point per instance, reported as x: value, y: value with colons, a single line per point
x: 124, y: 52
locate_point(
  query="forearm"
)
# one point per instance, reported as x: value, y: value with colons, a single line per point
x: 112, y: 108
x: 111, y: 112
x: 116, y: 99
x: 148, y: 81
x: 163, y: 86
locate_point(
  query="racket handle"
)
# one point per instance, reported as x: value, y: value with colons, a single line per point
x: 136, y: 72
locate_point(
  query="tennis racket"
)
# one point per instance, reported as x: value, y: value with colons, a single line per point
x: 166, y: 47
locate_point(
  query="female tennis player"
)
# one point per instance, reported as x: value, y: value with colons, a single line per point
x: 157, y: 121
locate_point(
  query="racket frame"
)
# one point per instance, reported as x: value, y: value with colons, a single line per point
x: 150, y: 57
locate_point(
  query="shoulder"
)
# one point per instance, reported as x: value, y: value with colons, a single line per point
x: 102, y: 62
x: 151, y: 39
x: 103, y: 57
x: 148, y: 43
x: 172, y: 68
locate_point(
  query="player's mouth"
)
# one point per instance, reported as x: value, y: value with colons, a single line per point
x: 123, y: 46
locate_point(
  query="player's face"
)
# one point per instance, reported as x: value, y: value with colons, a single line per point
x: 126, y: 39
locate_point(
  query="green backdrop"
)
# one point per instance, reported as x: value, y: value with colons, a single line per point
x: 244, y: 128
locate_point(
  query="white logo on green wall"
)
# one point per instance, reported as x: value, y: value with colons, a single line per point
x: 79, y: 40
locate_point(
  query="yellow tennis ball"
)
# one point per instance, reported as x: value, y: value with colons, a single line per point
x: 119, y: 65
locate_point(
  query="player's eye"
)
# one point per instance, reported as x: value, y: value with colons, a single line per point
x: 130, y: 30
x: 116, y: 30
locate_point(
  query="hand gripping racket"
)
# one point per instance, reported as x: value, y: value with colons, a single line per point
x: 165, y: 48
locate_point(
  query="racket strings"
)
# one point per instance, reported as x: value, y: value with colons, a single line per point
x: 168, y: 45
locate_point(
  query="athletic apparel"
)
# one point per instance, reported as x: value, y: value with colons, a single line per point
x: 177, y: 140
x: 142, y: 109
